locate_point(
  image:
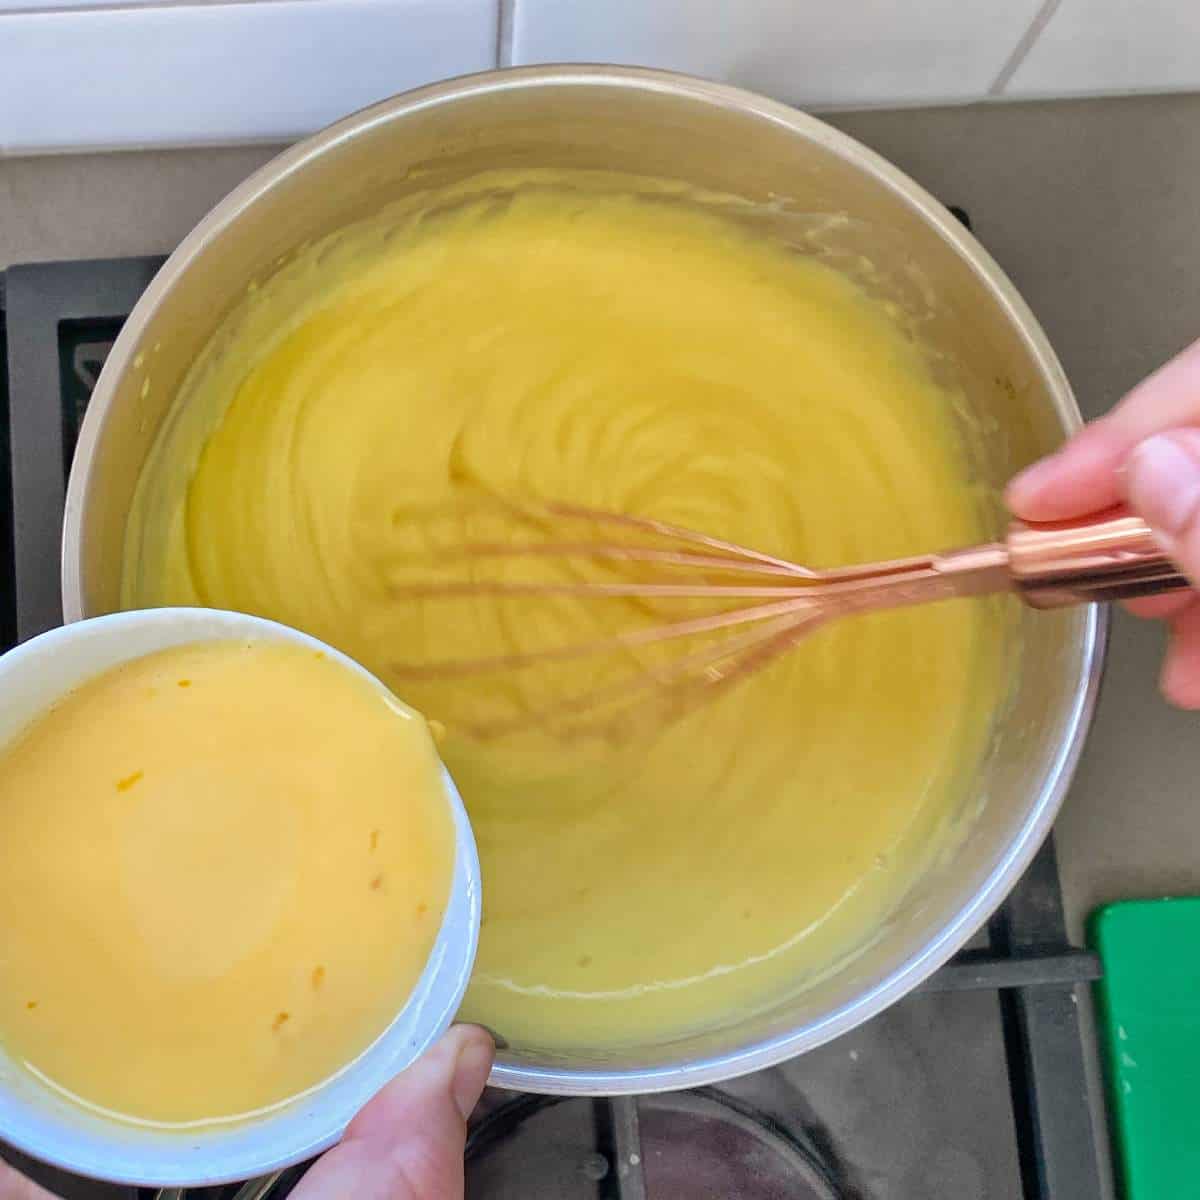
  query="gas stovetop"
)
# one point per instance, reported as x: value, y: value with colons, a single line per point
x: 972, y: 1088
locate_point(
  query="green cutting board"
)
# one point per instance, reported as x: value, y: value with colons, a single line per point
x: 1149, y: 1017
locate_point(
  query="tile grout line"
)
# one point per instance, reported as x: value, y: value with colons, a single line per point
x: 504, y: 32
x: 1025, y: 43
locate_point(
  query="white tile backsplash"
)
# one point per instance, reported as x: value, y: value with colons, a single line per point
x: 816, y: 53
x: 1097, y: 46
x: 156, y: 75
x: 95, y: 74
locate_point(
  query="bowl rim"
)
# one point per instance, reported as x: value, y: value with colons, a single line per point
x: 1011, y: 860
x: 126, y: 1152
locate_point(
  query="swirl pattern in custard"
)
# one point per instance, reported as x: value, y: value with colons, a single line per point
x: 415, y: 381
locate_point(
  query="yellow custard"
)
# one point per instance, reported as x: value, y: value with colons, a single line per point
x: 222, y: 869
x: 391, y: 389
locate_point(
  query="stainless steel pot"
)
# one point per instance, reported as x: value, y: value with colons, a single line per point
x: 1019, y: 405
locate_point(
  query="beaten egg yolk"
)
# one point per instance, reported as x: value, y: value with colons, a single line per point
x: 417, y: 382
x: 223, y: 868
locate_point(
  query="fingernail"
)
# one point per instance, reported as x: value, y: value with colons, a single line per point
x: 1164, y: 481
x: 471, y: 1071
x: 501, y: 1041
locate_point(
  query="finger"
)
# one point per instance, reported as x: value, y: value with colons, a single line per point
x: 408, y: 1142
x: 1168, y: 399
x: 454, y: 1071
x: 1083, y: 476
x: 1163, y: 487
x: 1181, y: 672
x: 1161, y: 608
x: 14, y: 1186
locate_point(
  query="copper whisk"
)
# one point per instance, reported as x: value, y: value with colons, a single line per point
x: 763, y: 605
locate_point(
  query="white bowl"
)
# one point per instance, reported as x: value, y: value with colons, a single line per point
x: 45, y: 1124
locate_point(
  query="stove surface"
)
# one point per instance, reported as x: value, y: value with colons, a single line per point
x: 973, y: 1088
x: 879, y: 1113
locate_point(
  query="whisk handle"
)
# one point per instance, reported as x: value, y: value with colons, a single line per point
x: 1111, y: 556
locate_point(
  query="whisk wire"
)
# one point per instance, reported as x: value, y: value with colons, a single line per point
x: 789, y: 602
x: 792, y: 606
x: 700, y: 667
x: 1109, y: 556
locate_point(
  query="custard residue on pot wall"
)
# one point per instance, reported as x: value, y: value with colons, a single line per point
x: 398, y: 388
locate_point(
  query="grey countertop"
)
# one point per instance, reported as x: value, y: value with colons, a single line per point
x: 1091, y: 208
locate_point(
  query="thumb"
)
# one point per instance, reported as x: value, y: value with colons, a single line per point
x: 14, y: 1186
x: 407, y: 1143
x: 1163, y: 487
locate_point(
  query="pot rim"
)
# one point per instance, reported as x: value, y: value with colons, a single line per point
x: 944, y: 941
